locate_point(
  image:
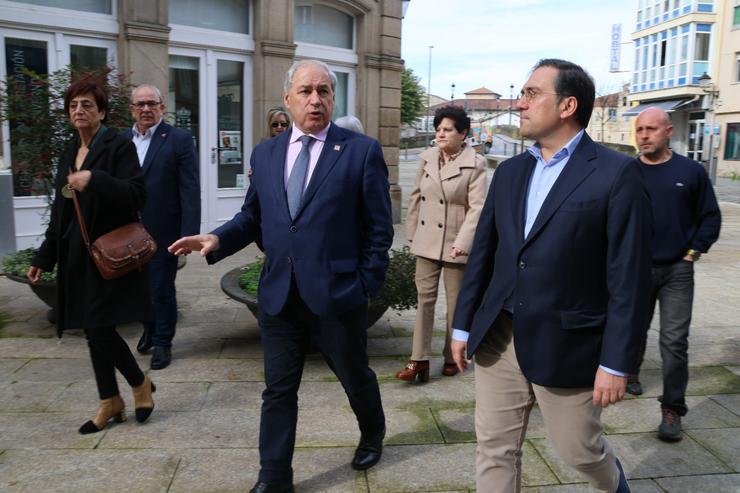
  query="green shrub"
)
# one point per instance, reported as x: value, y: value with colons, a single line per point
x: 398, y: 291
x: 18, y: 263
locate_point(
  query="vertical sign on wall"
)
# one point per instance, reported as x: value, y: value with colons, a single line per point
x: 615, y: 48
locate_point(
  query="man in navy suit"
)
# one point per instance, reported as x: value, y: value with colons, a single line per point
x: 319, y: 206
x: 170, y: 166
x: 555, y: 292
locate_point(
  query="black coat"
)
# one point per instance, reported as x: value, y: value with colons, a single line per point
x: 113, y: 198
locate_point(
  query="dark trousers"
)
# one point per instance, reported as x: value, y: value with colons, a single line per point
x: 342, y: 339
x: 673, y: 290
x: 108, y: 352
x: 162, y: 273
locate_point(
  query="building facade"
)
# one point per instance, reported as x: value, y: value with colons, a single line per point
x: 220, y: 66
x: 686, y: 62
x: 608, y: 122
x: 727, y: 101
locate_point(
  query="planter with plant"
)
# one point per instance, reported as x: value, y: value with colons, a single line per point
x: 39, y: 132
x: 398, y: 291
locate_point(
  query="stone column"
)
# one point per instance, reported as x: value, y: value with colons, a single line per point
x: 274, y: 54
x: 388, y: 64
x: 142, y: 42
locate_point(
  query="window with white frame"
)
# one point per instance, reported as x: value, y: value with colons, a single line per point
x: 323, y: 25
x: 97, y: 6
x: 736, y: 15
x: 737, y: 67
x: 223, y: 15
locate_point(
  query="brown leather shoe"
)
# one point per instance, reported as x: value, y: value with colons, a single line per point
x: 450, y: 369
x: 414, y: 370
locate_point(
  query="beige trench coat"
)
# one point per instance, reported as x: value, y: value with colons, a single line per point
x: 445, y: 205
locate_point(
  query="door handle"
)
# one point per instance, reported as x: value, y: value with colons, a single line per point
x: 213, y: 155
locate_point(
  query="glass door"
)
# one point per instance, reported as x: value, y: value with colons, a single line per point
x: 208, y: 97
x: 695, y: 146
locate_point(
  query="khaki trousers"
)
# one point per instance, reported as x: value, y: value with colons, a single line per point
x: 503, y: 401
x: 427, y: 284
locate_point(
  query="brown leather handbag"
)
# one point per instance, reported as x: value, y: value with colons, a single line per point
x: 120, y: 251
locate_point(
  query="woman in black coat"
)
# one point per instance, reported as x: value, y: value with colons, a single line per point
x: 102, y: 169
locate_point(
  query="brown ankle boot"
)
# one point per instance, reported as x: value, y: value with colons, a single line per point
x: 414, y: 370
x: 107, y: 409
x: 143, y: 401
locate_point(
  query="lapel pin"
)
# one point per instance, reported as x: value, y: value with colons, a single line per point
x: 337, y: 147
x: 164, y: 134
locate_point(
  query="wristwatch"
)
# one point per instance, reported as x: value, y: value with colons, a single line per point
x: 694, y: 253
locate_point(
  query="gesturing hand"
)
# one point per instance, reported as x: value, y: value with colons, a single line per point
x: 608, y: 388
x: 459, y: 351
x: 203, y: 243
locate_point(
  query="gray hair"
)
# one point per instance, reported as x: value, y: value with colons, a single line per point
x: 300, y: 63
x: 350, y: 123
x: 147, y: 86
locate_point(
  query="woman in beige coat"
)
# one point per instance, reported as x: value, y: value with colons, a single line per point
x: 443, y: 212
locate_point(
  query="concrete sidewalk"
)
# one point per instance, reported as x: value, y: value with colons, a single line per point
x: 202, y: 436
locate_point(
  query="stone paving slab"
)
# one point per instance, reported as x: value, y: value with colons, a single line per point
x: 235, y: 396
x: 227, y: 471
x: 28, y: 396
x: 82, y: 397
x: 724, y: 443
x: 95, y: 471
x: 718, y: 483
x: 9, y: 366
x: 458, y: 425
x: 729, y: 401
x: 644, y: 456
x: 45, y: 431
x: 211, y: 370
x: 702, y: 381
x: 338, y: 427
x: 27, y: 348
x: 56, y: 370
x: 416, y: 468
x: 186, y: 430
x: 643, y: 415
x: 638, y: 486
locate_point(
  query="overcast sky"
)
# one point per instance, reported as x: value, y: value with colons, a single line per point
x: 494, y: 43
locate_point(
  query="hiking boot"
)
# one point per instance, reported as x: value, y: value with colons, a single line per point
x: 670, y: 427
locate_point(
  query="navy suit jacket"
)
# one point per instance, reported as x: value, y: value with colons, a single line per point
x: 579, y: 282
x: 336, y: 248
x: 172, y: 180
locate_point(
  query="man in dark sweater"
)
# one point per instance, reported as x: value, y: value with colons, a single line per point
x: 686, y: 221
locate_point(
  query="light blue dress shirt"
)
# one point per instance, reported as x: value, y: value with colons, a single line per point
x: 543, y: 178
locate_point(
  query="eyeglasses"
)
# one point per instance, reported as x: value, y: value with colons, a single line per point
x: 529, y: 94
x: 279, y: 124
x: 85, y: 105
x: 141, y: 104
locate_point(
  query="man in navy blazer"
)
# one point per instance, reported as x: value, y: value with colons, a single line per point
x: 319, y: 206
x: 555, y: 291
x: 170, y: 166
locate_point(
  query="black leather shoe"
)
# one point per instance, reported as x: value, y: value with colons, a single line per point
x: 161, y: 358
x: 145, y: 342
x: 368, y: 452
x: 261, y: 487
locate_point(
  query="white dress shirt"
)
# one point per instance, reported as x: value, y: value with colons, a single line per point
x: 142, y: 141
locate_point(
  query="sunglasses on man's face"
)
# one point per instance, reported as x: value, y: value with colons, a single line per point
x: 279, y: 124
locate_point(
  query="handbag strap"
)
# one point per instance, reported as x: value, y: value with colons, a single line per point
x: 83, y: 228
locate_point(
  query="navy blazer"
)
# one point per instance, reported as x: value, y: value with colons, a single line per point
x: 172, y: 180
x: 337, y: 246
x: 579, y: 282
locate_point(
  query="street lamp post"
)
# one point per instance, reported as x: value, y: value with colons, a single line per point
x: 511, y: 97
x: 452, y: 95
x: 429, y: 93
x: 705, y: 82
